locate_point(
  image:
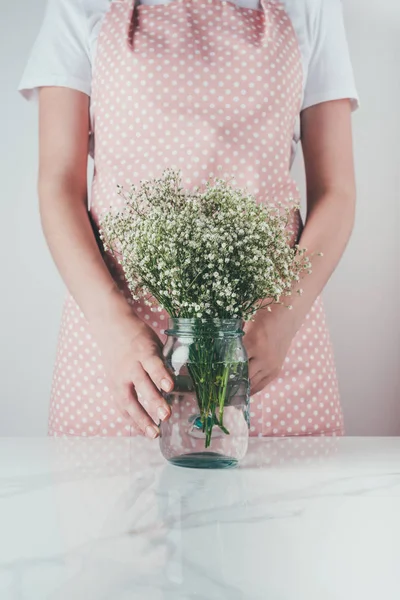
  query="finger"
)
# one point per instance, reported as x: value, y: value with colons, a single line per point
x: 258, y: 380
x: 122, y: 403
x: 255, y: 369
x: 133, y: 428
x: 158, y: 372
x: 150, y: 396
x: 126, y: 394
x: 141, y: 419
x: 121, y: 400
x: 258, y: 386
x: 260, y: 383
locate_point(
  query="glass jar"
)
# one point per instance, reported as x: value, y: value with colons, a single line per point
x: 209, y: 425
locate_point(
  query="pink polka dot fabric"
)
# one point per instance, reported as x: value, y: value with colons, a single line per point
x: 213, y: 89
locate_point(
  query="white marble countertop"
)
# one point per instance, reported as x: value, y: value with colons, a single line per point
x: 109, y: 519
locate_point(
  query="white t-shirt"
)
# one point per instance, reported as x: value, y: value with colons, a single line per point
x: 64, y: 50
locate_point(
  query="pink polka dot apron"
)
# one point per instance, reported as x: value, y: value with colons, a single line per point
x: 213, y: 89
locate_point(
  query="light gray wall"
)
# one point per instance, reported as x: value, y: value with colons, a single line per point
x: 361, y: 298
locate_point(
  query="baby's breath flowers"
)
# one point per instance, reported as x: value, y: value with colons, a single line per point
x: 204, y: 254
x: 214, y: 252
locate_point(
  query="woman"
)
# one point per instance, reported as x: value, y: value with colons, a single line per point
x: 198, y: 84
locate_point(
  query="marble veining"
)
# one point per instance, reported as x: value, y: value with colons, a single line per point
x: 301, y: 518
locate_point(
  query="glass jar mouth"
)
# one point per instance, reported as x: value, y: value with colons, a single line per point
x: 203, y: 325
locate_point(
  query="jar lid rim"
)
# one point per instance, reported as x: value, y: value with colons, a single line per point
x: 207, y: 319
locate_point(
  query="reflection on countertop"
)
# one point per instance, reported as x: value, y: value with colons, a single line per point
x: 108, y: 518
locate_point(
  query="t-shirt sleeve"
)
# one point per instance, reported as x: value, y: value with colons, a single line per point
x: 60, y: 55
x: 330, y: 73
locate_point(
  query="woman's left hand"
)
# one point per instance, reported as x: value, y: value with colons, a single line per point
x: 328, y: 157
x: 267, y: 340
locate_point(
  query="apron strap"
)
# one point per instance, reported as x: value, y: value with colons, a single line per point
x: 132, y: 21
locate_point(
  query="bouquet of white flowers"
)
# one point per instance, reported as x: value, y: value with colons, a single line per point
x: 211, y: 253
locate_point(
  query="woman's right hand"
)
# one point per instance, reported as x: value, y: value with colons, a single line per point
x: 131, y: 351
x: 132, y: 357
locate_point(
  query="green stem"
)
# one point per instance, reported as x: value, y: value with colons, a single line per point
x: 223, y: 393
x: 210, y: 379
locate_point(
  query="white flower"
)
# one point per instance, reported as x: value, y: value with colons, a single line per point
x: 214, y: 251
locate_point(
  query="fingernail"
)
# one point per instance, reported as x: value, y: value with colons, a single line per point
x: 162, y: 413
x: 166, y: 385
x: 151, y: 431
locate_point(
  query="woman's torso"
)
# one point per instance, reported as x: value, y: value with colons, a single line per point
x: 96, y: 11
